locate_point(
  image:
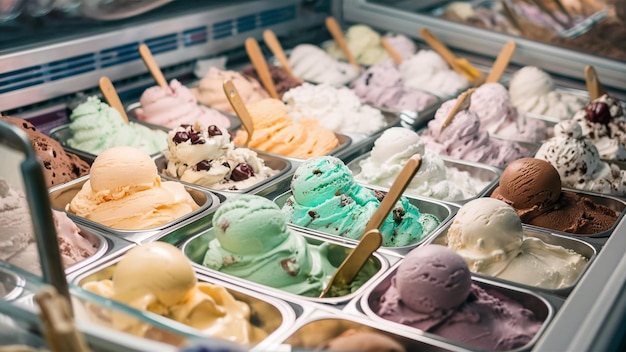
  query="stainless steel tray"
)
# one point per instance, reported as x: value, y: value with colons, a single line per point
x: 273, y: 161
x: 485, y: 173
x: 235, y: 122
x: 271, y: 315
x: 195, y: 248
x: 578, y: 246
x: 444, y: 212
x: 541, y: 308
x: 61, y: 195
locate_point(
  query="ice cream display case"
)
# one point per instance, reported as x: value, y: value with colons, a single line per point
x: 253, y: 257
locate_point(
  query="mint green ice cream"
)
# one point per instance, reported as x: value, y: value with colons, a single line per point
x: 252, y: 242
x: 326, y: 198
x: 96, y: 127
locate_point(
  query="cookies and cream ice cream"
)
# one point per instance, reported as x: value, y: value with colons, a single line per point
x: 488, y: 234
x: 170, y: 289
x: 579, y: 162
x: 124, y: 191
x: 206, y: 156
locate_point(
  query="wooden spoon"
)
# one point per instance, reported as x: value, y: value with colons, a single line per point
x: 272, y: 42
x: 393, y: 53
x: 260, y: 65
x: 462, y: 103
x: 335, y: 30
x: 154, y: 69
x: 594, y: 87
x: 240, y: 108
x: 501, y: 63
x: 372, y: 239
x: 460, y: 65
x: 107, y: 89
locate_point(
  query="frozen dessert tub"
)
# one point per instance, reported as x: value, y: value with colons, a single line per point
x: 444, y: 212
x: 131, y: 110
x: 267, y: 313
x: 485, y: 173
x: 63, y: 134
x: 537, y: 304
x: 61, y: 196
x: 321, y: 326
x: 583, y: 248
x: 273, y: 161
x: 196, y: 247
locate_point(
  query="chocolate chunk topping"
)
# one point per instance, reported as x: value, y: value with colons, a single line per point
x: 379, y: 195
x: 313, y: 214
x: 398, y: 214
x: 317, y: 172
x: 180, y: 137
x: 598, y: 112
x: 290, y: 266
x: 214, y: 131
x: 226, y: 164
x: 241, y: 172
x: 196, y: 138
x: 204, y: 165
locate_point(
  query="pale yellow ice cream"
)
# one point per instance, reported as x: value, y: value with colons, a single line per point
x: 157, y: 277
x: 124, y: 191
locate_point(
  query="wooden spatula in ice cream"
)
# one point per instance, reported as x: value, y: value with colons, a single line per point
x: 260, y: 65
x: 460, y: 65
x: 393, y: 53
x: 274, y: 44
x: 462, y: 103
x: 155, y: 70
x: 110, y: 95
x: 335, y: 30
x: 501, y: 63
x: 240, y: 108
x: 594, y: 87
x: 372, y: 239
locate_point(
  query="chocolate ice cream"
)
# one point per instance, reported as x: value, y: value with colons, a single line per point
x: 281, y: 78
x: 533, y: 188
x: 58, y: 166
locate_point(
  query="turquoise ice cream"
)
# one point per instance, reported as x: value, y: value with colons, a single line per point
x: 326, y: 198
x: 252, y: 242
x: 96, y: 127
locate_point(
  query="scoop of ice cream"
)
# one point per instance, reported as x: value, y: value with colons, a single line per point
x: 486, y: 232
x: 134, y: 277
x: 337, y: 109
x: 579, y: 163
x: 320, y: 179
x: 391, y: 152
x: 366, y: 341
x: 433, y: 278
x: 381, y: 85
x: 175, y: 105
x: 206, y: 156
x: 170, y: 289
x: 427, y: 71
x: 96, y: 127
x: 282, y: 81
x: 363, y: 43
x: 58, y: 166
x: 403, y: 45
x: 313, y: 64
x: 528, y: 182
x: 276, y: 132
x: 124, y: 191
x: 210, y: 89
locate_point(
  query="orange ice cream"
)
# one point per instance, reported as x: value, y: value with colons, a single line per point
x: 124, y: 191
x: 276, y: 132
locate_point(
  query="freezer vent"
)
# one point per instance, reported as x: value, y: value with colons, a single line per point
x: 118, y: 55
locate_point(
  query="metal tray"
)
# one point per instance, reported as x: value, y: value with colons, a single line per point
x: 63, y: 133
x: 11, y: 285
x: 235, y: 122
x: 611, y: 202
x: 267, y: 313
x: 61, y: 195
x: 273, y: 161
x: 196, y: 246
x: 444, y: 212
x: 541, y: 308
x: 578, y: 246
x: 488, y: 174
x: 311, y: 332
